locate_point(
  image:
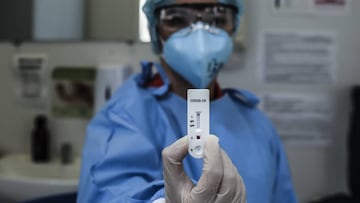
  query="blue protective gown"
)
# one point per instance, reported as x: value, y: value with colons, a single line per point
x: 122, y: 153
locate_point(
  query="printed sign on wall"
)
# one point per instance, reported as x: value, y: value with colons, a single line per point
x: 297, y: 57
x: 311, y: 6
x: 306, y: 119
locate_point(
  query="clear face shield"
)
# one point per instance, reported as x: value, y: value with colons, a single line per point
x: 176, y: 17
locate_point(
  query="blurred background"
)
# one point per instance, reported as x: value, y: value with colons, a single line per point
x: 61, y: 60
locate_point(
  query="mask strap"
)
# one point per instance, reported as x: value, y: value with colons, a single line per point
x: 165, y: 87
x: 146, y: 75
x: 162, y: 41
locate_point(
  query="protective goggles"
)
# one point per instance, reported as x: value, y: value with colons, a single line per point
x: 175, y: 17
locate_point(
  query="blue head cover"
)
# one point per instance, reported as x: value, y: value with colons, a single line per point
x: 151, y: 5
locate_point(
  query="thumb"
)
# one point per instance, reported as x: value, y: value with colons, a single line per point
x: 212, y: 172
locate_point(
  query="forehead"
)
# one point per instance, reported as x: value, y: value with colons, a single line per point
x: 194, y: 1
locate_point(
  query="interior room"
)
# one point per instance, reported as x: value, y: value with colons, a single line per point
x: 61, y: 61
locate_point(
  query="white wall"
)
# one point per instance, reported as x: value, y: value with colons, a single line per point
x: 16, y: 120
x: 316, y: 171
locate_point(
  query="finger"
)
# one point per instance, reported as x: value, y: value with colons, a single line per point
x: 227, y: 188
x: 232, y: 188
x: 212, y: 172
x: 172, y: 157
x: 240, y: 191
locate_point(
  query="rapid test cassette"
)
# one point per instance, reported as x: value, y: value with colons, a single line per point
x: 197, y: 120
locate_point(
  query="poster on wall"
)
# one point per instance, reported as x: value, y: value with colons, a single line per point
x: 30, y: 76
x: 331, y: 6
x: 291, y: 6
x: 73, y: 91
x: 311, y: 6
x: 297, y: 57
x: 304, y: 120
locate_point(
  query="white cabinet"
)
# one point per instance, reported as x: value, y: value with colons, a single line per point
x: 112, y: 20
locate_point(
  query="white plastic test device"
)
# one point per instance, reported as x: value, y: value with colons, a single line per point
x: 197, y: 120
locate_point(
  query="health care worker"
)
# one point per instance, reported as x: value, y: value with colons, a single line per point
x: 135, y: 149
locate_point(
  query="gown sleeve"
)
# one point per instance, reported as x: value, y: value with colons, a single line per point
x: 120, y: 162
x: 283, y: 187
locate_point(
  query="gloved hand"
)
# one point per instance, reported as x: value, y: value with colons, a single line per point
x: 220, y: 181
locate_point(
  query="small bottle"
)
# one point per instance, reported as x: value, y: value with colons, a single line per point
x: 66, y: 153
x: 40, y: 140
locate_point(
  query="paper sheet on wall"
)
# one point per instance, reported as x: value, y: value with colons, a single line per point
x: 331, y: 6
x: 30, y: 75
x: 305, y: 120
x: 73, y: 91
x: 290, y: 57
x: 311, y: 6
x: 291, y: 6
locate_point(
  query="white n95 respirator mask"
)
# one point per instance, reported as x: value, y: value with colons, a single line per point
x: 198, y: 52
